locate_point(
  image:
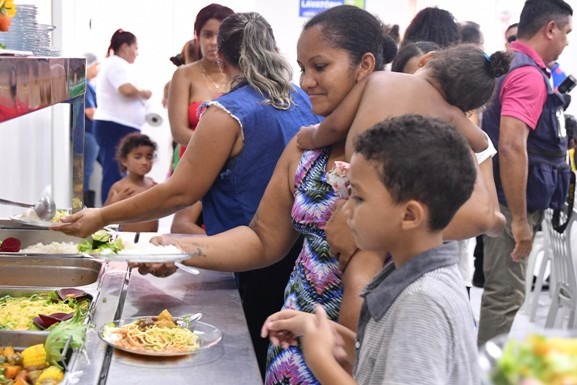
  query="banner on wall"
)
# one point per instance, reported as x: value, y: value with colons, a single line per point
x: 309, y: 8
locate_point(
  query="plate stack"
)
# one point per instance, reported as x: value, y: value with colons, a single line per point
x: 44, y: 32
x: 22, y: 34
x: 25, y: 34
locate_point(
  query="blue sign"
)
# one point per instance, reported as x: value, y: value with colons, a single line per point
x: 309, y: 8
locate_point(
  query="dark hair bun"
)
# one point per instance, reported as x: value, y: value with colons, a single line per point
x: 499, y: 63
x: 389, y: 49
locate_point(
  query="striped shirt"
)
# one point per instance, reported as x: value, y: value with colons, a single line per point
x: 417, y: 326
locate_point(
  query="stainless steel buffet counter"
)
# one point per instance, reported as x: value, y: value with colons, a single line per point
x: 119, y: 293
x: 129, y: 294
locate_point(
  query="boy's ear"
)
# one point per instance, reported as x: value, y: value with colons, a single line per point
x: 414, y: 215
x: 366, y: 66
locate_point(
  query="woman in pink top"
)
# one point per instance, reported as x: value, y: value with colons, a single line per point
x: 191, y: 85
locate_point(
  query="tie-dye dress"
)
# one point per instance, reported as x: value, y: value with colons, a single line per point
x: 316, y: 277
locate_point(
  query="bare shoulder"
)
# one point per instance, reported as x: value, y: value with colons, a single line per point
x: 119, y: 185
x: 455, y: 116
x: 187, y: 74
x: 289, y: 161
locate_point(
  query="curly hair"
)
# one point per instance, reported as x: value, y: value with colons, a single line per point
x: 441, y: 173
x: 131, y: 142
x: 465, y: 67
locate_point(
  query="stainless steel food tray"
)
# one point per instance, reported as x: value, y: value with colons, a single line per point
x: 49, y: 270
x: 29, y: 236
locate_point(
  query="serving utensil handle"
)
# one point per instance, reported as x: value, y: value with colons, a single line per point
x: 13, y: 203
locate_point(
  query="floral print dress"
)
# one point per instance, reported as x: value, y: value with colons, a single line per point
x: 316, y: 277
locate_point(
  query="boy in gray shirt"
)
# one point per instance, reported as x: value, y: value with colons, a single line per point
x: 409, y: 175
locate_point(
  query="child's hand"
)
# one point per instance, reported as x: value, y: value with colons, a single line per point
x: 321, y: 342
x: 318, y: 337
x: 305, y: 137
x: 284, y: 327
x: 126, y: 192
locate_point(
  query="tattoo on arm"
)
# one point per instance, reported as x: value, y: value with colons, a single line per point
x: 198, y: 250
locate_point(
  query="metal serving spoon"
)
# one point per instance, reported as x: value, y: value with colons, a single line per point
x: 45, y: 208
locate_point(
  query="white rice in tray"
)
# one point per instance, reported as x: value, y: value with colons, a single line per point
x: 51, y: 248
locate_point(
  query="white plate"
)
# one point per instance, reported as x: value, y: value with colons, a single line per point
x: 208, y: 335
x: 29, y: 218
x: 141, y: 258
x: 31, y: 222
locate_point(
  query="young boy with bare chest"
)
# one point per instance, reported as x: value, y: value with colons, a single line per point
x: 136, y: 153
x: 416, y: 324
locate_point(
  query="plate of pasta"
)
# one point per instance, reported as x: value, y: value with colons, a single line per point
x: 161, y: 335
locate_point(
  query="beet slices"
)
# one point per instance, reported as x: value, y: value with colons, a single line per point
x: 10, y: 245
x: 44, y: 321
x: 72, y: 293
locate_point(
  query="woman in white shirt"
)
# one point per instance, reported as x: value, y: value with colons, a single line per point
x: 121, y: 104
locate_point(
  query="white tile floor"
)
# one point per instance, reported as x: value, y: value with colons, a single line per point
x: 522, y: 324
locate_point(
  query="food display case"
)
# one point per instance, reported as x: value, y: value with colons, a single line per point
x: 28, y: 84
x: 119, y: 292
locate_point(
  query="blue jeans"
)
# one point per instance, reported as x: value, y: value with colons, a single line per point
x: 91, y: 149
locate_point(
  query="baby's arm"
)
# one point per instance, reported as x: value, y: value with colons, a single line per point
x: 337, y: 124
x: 477, y: 139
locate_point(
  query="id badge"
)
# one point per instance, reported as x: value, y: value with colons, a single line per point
x: 562, y: 131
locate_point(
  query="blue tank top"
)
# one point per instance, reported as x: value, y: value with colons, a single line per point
x: 236, y: 193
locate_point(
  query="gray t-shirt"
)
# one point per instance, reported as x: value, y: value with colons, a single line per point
x: 417, y: 326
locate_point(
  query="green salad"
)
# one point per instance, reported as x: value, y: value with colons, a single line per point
x: 538, y: 360
x: 101, y: 242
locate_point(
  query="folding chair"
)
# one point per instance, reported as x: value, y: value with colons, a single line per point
x: 563, y: 279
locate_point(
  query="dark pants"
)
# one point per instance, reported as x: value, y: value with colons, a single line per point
x: 262, y: 294
x: 108, y: 135
x: 90, y: 154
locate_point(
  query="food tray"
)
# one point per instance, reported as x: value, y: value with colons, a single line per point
x: 48, y: 270
x: 19, y: 292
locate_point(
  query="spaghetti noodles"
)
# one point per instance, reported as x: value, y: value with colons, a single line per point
x: 16, y: 313
x: 153, y: 334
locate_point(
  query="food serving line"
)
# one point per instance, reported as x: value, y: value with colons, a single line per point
x: 122, y: 293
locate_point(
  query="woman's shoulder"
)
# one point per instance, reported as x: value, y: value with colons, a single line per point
x: 188, y: 71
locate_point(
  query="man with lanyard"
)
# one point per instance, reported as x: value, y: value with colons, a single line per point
x: 525, y: 121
